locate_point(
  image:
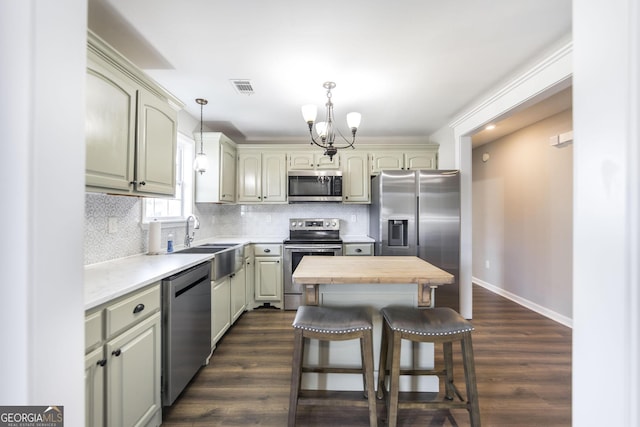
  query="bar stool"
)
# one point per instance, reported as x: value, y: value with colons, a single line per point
x: 436, y: 325
x: 333, y: 324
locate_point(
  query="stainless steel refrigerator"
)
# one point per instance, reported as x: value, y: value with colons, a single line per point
x: 417, y: 213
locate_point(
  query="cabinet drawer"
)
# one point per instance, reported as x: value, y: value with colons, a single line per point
x: 267, y: 249
x: 130, y: 310
x: 358, y: 249
x: 92, y: 331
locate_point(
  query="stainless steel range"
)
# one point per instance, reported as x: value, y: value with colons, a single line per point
x: 307, y: 236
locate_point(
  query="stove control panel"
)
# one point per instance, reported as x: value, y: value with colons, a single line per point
x: 314, y: 224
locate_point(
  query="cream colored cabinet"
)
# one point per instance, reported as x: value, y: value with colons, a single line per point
x: 356, y: 182
x: 357, y: 249
x: 268, y: 274
x: 262, y: 177
x: 218, y: 183
x: 220, y: 308
x: 249, y: 267
x: 238, y: 293
x: 408, y: 160
x: 312, y: 160
x: 123, y: 367
x: 131, y: 127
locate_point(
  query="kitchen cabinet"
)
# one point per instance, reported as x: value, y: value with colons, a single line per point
x: 312, y: 160
x: 357, y: 249
x: 356, y: 182
x: 218, y: 183
x: 249, y: 267
x: 262, y: 177
x: 268, y: 274
x: 408, y: 160
x: 220, y: 308
x: 131, y: 127
x: 238, y: 293
x: 123, y: 367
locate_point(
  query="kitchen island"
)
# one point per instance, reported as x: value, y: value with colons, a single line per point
x: 375, y: 282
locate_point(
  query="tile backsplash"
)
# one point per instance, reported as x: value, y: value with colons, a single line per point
x: 113, y: 227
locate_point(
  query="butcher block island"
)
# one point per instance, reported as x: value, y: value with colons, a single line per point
x: 375, y: 282
x: 314, y: 271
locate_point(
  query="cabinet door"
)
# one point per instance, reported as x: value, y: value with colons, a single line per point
x: 133, y: 374
x: 301, y: 161
x: 268, y: 278
x: 420, y: 160
x: 156, y: 145
x: 220, y: 308
x: 249, y: 177
x: 227, y: 173
x: 323, y: 162
x: 386, y: 161
x: 355, y: 178
x: 238, y: 294
x: 110, y: 124
x: 94, y: 372
x: 274, y: 177
x: 249, y: 267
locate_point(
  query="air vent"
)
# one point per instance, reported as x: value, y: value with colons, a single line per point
x: 243, y: 86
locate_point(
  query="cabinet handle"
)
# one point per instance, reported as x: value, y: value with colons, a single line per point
x: 278, y: 261
x: 266, y: 251
x: 346, y: 197
x: 101, y: 362
x: 143, y: 183
x: 358, y: 250
x: 133, y: 182
x: 116, y: 353
x: 138, y: 308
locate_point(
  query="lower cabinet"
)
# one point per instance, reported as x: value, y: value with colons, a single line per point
x: 268, y: 274
x: 220, y: 308
x: 238, y: 294
x: 357, y: 249
x: 123, y: 361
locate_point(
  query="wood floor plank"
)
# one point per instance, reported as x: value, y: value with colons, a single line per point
x: 523, y: 369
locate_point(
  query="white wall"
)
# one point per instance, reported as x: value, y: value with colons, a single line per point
x: 43, y: 61
x: 606, y: 332
x: 522, y: 217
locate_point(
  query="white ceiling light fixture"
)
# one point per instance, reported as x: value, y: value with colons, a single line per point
x: 201, y: 163
x: 325, y: 131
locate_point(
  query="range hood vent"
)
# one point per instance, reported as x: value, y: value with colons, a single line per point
x: 243, y: 86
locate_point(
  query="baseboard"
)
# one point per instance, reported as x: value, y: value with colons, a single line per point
x: 564, y: 320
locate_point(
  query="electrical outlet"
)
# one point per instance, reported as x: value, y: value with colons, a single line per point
x: 112, y: 225
x: 354, y: 218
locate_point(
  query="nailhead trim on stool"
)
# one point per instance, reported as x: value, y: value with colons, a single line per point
x: 333, y: 324
x: 436, y: 325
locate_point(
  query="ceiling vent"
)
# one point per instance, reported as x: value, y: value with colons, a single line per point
x: 243, y: 86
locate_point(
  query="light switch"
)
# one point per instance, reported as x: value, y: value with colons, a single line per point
x: 113, y: 225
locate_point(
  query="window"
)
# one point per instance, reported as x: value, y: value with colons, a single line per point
x: 180, y: 207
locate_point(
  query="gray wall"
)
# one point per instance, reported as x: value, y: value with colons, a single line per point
x: 522, y: 217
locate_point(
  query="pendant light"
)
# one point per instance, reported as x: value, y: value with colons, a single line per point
x: 201, y: 163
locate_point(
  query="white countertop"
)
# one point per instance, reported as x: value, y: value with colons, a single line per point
x: 356, y: 239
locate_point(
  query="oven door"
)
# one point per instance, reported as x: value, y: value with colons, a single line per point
x: 292, y: 256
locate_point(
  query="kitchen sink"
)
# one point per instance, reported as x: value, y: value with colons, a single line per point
x: 229, y: 257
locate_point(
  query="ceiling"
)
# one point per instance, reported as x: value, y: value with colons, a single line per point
x: 410, y: 67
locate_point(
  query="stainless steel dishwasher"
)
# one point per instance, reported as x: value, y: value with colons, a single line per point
x: 186, y: 335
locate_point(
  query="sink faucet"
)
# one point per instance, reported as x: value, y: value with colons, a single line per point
x: 188, y: 238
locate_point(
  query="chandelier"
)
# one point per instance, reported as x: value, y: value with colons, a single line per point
x: 325, y: 132
x: 201, y: 163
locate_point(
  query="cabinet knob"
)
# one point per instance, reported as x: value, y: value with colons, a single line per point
x: 358, y: 250
x: 117, y: 352
x: 101, y: 362
x: 267, y: 250
x: 133, y: 182
x: 138, y: 308
x: 143, y: 183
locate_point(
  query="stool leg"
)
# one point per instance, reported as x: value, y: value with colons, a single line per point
x: 470, y: 379
x: 367, y: 367
x: 382, y: 366
x: 447, y: 351
x: 296, y: 375
x: 394, y: 383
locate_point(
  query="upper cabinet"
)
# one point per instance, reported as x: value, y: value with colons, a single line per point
x: 404, y: 160
x: 262, y: 177
x: 218, y: 183
x: 356, y: 182
x: 312, y: 160
x: 131, y: 127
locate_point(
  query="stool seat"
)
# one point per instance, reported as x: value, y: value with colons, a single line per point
x: 332, y: 324
x: 432, y: 325
x: 332, y: 320
x: 434, y: 321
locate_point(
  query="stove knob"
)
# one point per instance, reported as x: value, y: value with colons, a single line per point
x: 333, y: 223
x: 300, y: 224
x: 293, y: 223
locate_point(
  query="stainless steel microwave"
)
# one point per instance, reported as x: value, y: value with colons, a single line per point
x: 315, y: 186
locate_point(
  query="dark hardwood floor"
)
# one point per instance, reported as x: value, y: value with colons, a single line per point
x: 523, y: 367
